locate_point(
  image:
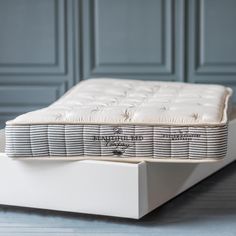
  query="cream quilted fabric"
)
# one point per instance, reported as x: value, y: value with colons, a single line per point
x: 112, y: 101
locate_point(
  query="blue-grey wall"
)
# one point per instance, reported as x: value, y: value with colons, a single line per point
x: 47, y: 46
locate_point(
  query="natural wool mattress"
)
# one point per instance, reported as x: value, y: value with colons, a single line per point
x: 126, y: 118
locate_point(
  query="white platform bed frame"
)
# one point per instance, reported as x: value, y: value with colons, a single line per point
x: 120, y: 189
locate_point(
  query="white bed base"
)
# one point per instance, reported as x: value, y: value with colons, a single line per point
x: 128, y: 190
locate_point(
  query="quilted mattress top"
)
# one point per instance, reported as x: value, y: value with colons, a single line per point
x: 117, y: 101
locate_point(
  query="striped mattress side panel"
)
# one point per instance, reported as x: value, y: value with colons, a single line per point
x: 113, y: 140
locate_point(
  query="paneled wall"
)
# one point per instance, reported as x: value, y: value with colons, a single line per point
x: 38, y: 51
x: 47, y: 46
x: 135, y: 38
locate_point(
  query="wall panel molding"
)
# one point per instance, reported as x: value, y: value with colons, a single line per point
x: 164, y: 66
x: 56, y: 67
x: 106, y: 59
x: 210, y: 52
x: 64, y: 47
x: 39, y: 63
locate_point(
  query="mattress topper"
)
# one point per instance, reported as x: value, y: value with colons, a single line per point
x: 112, y: 101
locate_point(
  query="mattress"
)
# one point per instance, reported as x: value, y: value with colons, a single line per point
x: 118, y: 118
